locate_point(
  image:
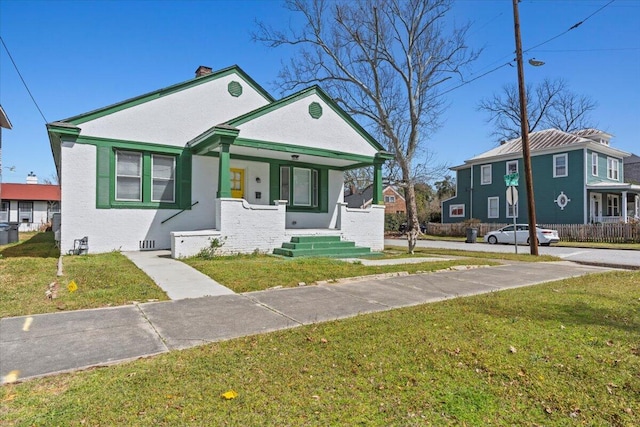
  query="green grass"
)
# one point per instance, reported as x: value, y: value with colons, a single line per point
x: 523, y: 257
x: 574, y: 361
x: 28, y: 267
x: 246, y: 273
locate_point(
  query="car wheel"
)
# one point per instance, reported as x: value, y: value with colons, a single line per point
x: 536, y: 239
x: 546, y: 244
x: 492, y: 240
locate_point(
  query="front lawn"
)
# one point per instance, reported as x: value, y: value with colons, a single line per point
x: 560, y: 354
x: 28, y: 268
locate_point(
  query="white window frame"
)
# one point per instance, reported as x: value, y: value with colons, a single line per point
x: 555, y: 165
x: 298, y: 174
x: 140, y: 156
x: 594, y: 164
x: 513, y: 214
x: 613, y: 205
x: 170, y: 181
x: 22, y: 211
x: 511, y: 162
x: 495, y: 208
x: 484, y: 181
x: 4, y: 211
x: 613, y: 172
x: 389, y: 199
x: 455, y: 207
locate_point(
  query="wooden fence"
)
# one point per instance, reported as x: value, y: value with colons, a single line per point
x: 600, y: 233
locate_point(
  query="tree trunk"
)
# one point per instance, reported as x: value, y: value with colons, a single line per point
x: 413, y: 226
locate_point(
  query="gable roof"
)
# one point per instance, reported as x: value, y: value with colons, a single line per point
x: 100, y: 112
x: 313, y: 90
x: 547, y: 139
x: 360, y: 199
x: 46, y: 192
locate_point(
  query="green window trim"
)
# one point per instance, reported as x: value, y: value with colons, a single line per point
x: 318, y: 186
x: 106, y: 178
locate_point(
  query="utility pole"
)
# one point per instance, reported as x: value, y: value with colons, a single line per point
x: 524, y: 126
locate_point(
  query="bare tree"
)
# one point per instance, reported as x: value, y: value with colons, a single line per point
x: 551, y: 104
x: 383, y: 61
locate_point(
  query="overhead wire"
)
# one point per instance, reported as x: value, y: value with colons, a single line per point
x: 22, y: 79
x: 510, y: 63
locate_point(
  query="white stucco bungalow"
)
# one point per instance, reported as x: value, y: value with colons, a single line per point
x: 214, y: 157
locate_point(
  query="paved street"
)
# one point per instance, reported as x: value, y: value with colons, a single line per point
x: 612, y: 257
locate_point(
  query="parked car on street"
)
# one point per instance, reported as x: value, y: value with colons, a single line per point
x: 506, y: 235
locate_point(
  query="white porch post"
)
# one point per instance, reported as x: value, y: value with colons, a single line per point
x: 624, y: 207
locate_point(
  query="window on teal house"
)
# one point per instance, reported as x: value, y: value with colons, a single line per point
x: 456, y: 211
x: 613, y: 168
x: 594, y: 164
x: 493, y: 207
x: 485, y: 174
x: 512, y: 167
x: 560, y: 165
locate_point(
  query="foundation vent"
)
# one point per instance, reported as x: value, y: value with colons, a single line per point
x: 147, y: 245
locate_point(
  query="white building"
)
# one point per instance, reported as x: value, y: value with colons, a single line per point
x: 214, y: 157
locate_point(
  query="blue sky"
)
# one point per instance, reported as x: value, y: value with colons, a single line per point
x: 77, y: 56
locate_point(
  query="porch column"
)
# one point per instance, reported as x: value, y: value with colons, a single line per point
x: 377, y: 182
x: 623, y: 202
x: 224, y: 180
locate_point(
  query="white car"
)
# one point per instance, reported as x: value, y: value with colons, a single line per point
x: 506, y: 235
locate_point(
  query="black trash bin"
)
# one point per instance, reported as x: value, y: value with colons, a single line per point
x: 472, y: 235
x: 4, y: 233
x: 13, y: 231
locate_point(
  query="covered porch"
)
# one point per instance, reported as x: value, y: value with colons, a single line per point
x: 613, y: 203
x: 268, y: 192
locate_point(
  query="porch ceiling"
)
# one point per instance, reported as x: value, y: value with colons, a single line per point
x: 606, y: 186
x: 332, y: 159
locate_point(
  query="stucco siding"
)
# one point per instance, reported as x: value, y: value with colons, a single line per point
x: 292, y: 124
x: 177, y: 118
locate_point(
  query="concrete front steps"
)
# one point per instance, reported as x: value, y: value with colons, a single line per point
x: 320, y: 246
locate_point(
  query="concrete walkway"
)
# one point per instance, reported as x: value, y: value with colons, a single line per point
x: 176, y: 278
x: 45, y: 344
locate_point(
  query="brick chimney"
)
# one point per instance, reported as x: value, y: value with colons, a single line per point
x: 32, y: 178
x: 203, y: 71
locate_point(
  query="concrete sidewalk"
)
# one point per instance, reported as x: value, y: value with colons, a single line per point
x: 33, y: 346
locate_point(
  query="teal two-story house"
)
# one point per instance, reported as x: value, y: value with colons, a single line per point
x: 577, y: 179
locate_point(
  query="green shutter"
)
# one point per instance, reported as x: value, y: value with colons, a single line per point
x: 103, y: 177
x: 274, y: 182
x: 323, y: 187
x: 184, y: 186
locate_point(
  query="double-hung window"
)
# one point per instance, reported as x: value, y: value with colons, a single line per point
x: 560, y: 165
x: 613, y: 166
x: 300, y: 186
x: 128, y: 176
x: 493, y: 207
x: 485, y: 174
x: 389, y: 199
x: 163, y: 172
x: 512, y: 166
x: 594, y: 164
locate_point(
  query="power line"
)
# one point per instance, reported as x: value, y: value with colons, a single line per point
x: 524, y: 51
x: 21, y: 78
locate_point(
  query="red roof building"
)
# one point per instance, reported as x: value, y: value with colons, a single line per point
x: 43, y: 192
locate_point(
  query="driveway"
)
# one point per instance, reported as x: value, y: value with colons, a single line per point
x: 612, y: 257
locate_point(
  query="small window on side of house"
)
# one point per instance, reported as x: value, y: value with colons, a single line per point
x: 512, y: 167
x: 594, y: 164
x: 560, y: 165
x: 456, y: 211
x: 613, y: 167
